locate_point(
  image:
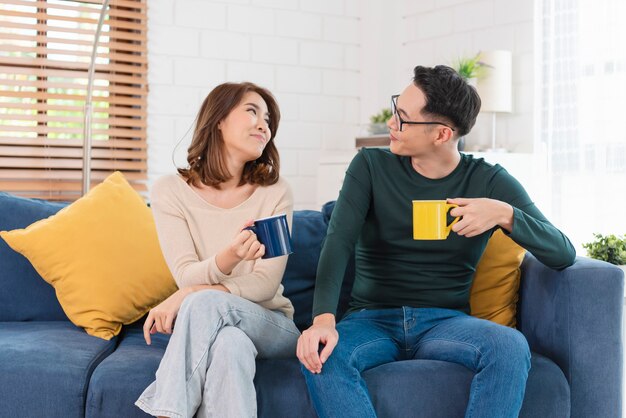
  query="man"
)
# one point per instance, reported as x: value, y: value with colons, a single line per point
x: 410, y: 297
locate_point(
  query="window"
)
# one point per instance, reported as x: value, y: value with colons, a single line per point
x: 583, y: 82
x: 45, y: 51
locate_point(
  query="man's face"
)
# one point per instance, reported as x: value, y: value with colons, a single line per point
x: 413, y: 140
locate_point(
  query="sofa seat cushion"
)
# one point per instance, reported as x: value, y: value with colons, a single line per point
x: 119, y: 380
x: 425, y: 388
x: 442, y: 389
x: 434, y: 388
x: 45, y: 368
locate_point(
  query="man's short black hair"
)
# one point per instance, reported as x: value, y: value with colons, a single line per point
x: 448, y: 96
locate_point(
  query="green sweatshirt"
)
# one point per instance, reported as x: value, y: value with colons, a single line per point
x: 373, y: 219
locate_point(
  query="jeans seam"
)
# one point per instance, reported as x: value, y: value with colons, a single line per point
x: 266, y: 319
x: 358, y: 376
x: 206, y: 353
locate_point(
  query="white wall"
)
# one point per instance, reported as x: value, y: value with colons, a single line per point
x: 330, y: 63
x: 306, y: 52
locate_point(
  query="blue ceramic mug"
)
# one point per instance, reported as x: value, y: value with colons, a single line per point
x: 273, y: 232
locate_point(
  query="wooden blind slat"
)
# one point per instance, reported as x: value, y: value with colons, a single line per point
x: 42, y: 27
x: 75, y: 97
x: 37, y: 174
x: 44, y: 62
x: 132, y: 6
x: 132, y: 133
x: 40, y: 39
x: 138, y: 59
x: 112, y: 110
x: 16, y: 162
x: 74, y: 186
x: 43, y: 118
x: 78, y: 75
x: 56, y: 17
x: 47, y: 142
x: 115, y: 12
x: 42, y: 84
x: 63, y: 152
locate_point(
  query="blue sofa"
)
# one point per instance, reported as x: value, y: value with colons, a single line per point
x: 50, y: 368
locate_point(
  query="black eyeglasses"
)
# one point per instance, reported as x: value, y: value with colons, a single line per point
x: 400, y: 121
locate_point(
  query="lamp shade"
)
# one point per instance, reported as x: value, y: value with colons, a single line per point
x: 495, y: 85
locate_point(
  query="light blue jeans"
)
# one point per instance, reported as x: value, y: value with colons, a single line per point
x: 209, y: 364
x: 499, y: 356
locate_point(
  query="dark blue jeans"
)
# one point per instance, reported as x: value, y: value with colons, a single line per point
x: 499, y: 356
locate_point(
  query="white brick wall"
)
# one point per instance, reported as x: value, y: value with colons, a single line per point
x: 306, y: 52
x: 330, y: 63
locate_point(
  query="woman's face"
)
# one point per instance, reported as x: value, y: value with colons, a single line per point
x: 246, y: 129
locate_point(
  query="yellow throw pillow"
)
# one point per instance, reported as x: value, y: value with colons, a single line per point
x: 494, y: 292
x: 102, y: 255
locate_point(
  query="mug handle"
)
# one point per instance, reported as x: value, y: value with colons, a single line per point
x: 250, y: 228
x: 448, y: 207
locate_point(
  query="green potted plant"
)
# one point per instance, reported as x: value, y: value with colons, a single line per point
x: 609, y: 248
x: 378, y: 122
x: 469, y: 68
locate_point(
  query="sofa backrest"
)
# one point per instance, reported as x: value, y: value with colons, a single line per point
x: 308, y: 233
x: 24, y: 295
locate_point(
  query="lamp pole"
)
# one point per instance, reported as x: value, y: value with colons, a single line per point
x: 88, y: 106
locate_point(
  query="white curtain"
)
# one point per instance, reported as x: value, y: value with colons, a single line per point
x: 583, y: 114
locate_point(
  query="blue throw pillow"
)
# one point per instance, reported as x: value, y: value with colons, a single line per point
x: 348, y: 278
x: 24, y: 295
x: 308, y: 233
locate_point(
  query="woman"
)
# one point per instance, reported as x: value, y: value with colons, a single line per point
x: 229, y: 307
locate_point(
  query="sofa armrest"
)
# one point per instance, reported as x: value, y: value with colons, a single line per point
x: 574, y: 317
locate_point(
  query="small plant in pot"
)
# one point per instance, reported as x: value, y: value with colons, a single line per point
x: 378, y: 122
x: 469, y: 68
x: 609, y: 248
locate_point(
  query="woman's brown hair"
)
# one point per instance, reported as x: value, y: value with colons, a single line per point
x: 205, y: 155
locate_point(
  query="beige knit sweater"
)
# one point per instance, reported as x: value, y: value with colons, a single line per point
x: 192, y: 231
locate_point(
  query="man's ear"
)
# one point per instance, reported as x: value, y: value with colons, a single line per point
x: 444, y: 135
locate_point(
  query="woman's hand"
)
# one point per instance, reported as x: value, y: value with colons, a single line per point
x: 245, y: 246
x: 161, y: 317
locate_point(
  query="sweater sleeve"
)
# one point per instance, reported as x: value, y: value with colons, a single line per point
x: 343, y: 233
x: 263, y: 281
x: 176, y: 241
x: 531, y: 229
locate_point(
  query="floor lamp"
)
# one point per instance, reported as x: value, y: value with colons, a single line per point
x: 87, y: 115
x: 495, y: 87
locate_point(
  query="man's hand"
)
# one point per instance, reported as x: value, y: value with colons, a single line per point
x: 322, y: 331
x: 480, y: 215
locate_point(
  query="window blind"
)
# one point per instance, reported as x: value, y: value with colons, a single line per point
x: 45, y: 51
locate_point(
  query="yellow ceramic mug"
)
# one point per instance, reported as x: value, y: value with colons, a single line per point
x: 430, y: 219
